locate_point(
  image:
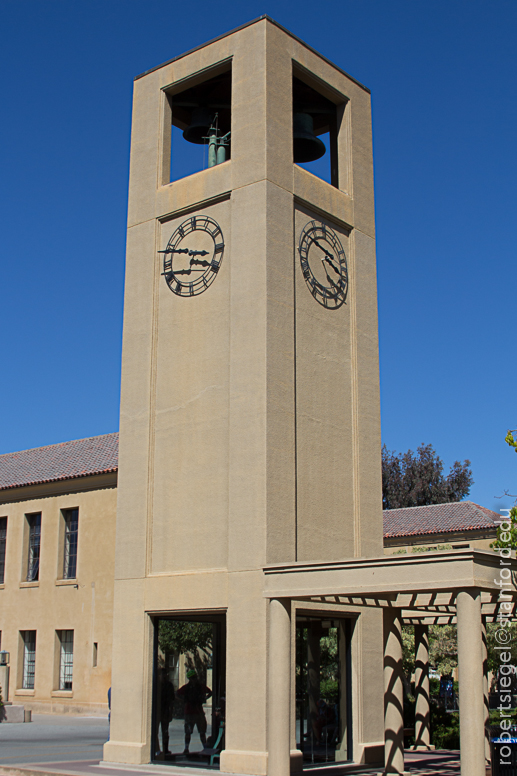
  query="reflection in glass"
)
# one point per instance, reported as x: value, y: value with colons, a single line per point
x: 188, y: 698
x: 323, y: 698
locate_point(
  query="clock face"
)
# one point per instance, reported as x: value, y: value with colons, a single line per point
x: 323, y: 264
x: 193, y: 256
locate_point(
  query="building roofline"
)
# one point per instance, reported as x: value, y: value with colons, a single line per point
x: 58, y: 444
x: 18, y: 463
x: 242, y: 27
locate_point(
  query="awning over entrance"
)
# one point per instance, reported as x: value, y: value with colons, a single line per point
x: 470, y: 587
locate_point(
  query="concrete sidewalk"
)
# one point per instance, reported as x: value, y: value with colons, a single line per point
x: 52, y: 738
x: 438, y: 763
x: 65, y: 745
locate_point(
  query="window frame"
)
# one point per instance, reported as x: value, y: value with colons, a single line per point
x: 65, y: 640
x: 3, y: 548
x: 33, y: 546
x: 28, y: 677
x: 70, y: 544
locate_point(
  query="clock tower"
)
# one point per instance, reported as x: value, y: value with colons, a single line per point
x: 249, y: 427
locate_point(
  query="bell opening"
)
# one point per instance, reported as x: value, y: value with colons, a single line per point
x: 315, y: 128
x: 196, y: 111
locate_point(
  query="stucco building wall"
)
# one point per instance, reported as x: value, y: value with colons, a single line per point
x: 83, y: 604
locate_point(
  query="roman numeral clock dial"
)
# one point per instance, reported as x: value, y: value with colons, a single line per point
x: 193, y: 256
x: 323, y: 264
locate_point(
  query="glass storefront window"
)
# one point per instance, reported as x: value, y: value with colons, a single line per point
x: 323, y: 690
x: 189, y: 690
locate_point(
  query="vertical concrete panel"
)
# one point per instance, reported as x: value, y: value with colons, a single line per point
x: 249, y: 106
x: 362, y: 161
x: 325, y: 528
x: 279, y: 109
x: 248, y: 381
x: 366, y: 398
x: 146, y: 147
x: 281, y: 453
x: 191, y: 407
x: 130, y: 738
x: 137, y: 352
x: 246, y: 672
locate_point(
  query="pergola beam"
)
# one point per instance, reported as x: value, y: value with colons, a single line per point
x: 384, y: 578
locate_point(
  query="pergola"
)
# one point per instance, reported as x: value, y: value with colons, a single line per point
x: 461, y: 586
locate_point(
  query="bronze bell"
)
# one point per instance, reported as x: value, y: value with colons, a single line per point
x: 200, y: 123
x: 306, y: 146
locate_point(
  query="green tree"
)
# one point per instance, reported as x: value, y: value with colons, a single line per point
x: 443, y: 648
x: 509, y: 439
x: 182, y: 637
x: 416, y: 479
x: 192, y: 639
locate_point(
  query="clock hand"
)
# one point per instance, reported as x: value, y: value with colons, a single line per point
x: 314, y: 240
x: 185, y: 250
x: 330, y: 280
x: 201, y: 262
x: 336, y: 270
x: 329, y: 256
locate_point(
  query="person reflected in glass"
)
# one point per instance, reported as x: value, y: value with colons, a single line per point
x: 194, y: 694
x: 166, y: 697
x: 326, y: 717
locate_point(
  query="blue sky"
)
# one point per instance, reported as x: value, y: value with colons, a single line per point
x: 443, y: 81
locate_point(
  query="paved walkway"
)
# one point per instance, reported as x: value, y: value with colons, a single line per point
x: 441, y: 763
x: 64, y: 745
x: 53, y: 738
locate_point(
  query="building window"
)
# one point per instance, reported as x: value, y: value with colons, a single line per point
x: 71, y: 517
x: 29, y: 659
x: 95, y: 651
x: 34, y: 522
x: 3, y: 536
x: 66, y: 659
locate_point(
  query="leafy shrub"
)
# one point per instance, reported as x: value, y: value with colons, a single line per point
x: 445, y: 728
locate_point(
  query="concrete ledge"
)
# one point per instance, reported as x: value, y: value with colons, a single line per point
x: 12, y: 713
x: 65, y: 705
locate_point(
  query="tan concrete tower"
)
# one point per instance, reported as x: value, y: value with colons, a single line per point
x: 250, y: 430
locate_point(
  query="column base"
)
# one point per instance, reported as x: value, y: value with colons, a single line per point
x: 423, y: 748
x: 296, y: 761
x: 126, y: 752
x: 238, y: 761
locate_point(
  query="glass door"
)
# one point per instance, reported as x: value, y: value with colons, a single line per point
x: 189, y: 690
x: 323, y: 690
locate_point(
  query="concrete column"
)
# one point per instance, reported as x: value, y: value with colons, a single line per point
x: 279, y: 689
x: 470, y: 669
x: 484, y: 652
x: 422, y: 709
x: 393, y: 693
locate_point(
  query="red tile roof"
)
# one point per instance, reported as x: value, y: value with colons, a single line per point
x: 437, y: 519
x: 68, y: 460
